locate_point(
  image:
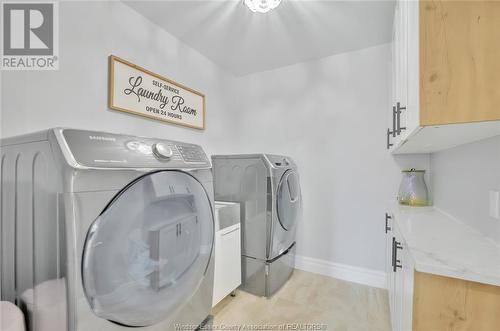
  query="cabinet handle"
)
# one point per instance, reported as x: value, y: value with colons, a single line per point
x: 389, y: 145
x: 393, y: 252
x: 396, y: 262
x: 387, y: 218
x: 397, y: 265
x: 394, y: 121
x: 399, y: 110
x: 394, y: 130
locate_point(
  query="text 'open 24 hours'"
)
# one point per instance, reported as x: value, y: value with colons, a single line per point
x: 136, y: 90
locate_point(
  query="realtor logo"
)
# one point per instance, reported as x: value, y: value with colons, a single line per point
x: 30, y: 36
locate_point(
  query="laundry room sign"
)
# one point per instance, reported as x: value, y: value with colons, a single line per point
x: 135, y: 90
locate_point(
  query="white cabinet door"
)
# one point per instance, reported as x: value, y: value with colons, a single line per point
x: 391, y: 120
x: 407, y: 291
x: 402, y: 48
x: 399, y: 74
x: 388, y: 261
x: 405, y: 73
x: 408, y: 67
x: 398, y: 281
x: 227, y: 273
x: 401, y: 282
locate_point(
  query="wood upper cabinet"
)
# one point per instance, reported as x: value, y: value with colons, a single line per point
x: 445, y: 74
x: 459, y: 61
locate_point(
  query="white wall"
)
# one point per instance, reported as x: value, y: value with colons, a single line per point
x: 329, y: 115
x: 76, y: 95
x: 462, y: 178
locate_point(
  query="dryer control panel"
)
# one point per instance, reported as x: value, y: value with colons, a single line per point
x: 108, y: 150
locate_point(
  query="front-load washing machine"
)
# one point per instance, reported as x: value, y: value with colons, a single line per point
x: 104, y: 231
x: 268, y: 190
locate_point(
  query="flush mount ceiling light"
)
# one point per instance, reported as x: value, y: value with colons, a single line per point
x: 262, y: 6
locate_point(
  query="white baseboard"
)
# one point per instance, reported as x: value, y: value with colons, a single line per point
x: 346, y: 272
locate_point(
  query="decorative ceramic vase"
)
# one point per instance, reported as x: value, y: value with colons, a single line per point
x: 413, y: 190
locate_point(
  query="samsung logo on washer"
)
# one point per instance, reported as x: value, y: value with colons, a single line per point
x: 101, y: 138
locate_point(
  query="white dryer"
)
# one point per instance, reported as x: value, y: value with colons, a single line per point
x: 106, y: 231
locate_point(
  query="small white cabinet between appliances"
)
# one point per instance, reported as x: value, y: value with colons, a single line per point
x: 227, y: 273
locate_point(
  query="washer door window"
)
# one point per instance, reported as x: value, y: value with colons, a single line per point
x: 147, y: 253
x: 288, y: 199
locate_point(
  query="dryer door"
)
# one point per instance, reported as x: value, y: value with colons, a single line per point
x: 288, y: 200
x: 147, y: 253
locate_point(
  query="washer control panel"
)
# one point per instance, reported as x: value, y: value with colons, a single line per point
x: 191, y: 153
x: 106, y: 150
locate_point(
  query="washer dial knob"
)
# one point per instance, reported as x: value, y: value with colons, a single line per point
x: 162, y: 151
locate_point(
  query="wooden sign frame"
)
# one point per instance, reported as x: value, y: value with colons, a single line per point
x: 164, y: 82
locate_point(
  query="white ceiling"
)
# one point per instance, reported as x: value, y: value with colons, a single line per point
x: 243, y: 42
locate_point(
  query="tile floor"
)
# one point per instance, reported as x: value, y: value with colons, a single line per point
x: 308, y: 299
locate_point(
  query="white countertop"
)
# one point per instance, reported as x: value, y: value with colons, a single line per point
x: 444, y: 246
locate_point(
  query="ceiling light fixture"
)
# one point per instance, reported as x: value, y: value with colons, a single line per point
x: 262, y: 6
